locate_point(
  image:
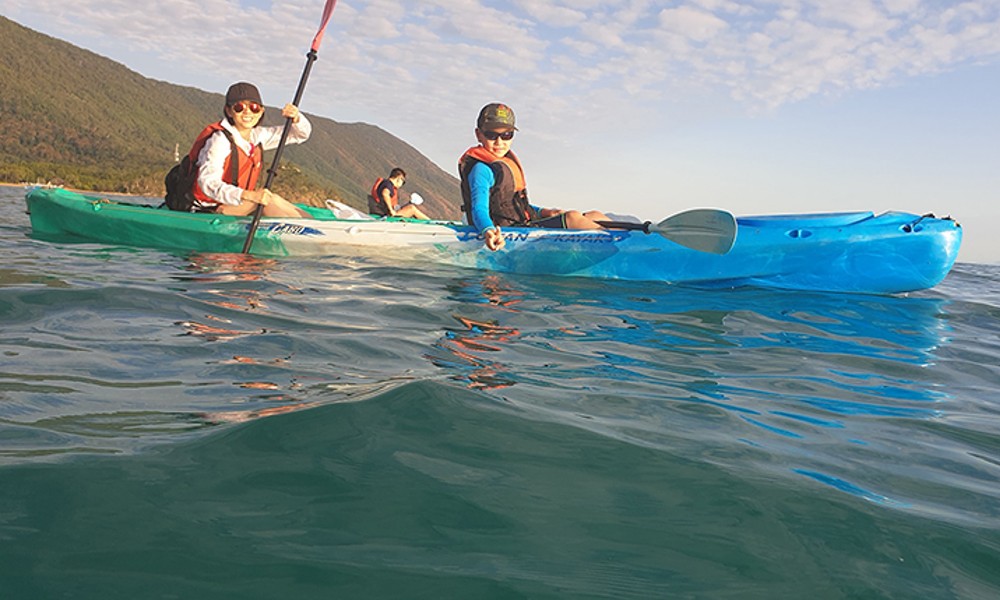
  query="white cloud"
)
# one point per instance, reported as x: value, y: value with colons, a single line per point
x: 553, y: 14
x: 860, y: 15
x: 901, y: 7
x: 695, y: 24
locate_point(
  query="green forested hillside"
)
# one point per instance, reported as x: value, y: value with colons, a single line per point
x: 70, y: 116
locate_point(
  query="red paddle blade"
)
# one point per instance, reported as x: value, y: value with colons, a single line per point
x: 327, y: 11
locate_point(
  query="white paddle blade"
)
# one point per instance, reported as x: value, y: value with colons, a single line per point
x: 703, y: 229
x: 416, y: 199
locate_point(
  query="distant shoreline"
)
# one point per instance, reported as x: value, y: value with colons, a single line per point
x: 91, y: 192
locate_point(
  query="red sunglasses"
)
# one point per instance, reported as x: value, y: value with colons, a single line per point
x: 241, y: 106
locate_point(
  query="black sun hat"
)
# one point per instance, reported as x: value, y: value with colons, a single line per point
x: 243, y: 91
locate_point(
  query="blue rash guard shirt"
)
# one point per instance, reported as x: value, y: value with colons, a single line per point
x: 481, y: 181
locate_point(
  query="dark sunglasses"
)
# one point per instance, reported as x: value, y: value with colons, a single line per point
x: 241, y: 106
x: 503, y: 135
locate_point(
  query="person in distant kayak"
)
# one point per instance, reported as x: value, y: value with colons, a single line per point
x: 494, y: 193
x: 240, y: 127
x: 383, y: 201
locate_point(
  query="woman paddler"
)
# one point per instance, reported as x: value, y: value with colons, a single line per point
x: 240, y: 127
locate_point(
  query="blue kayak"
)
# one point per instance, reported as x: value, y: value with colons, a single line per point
x: 844, y: 252
x: 862, y: 252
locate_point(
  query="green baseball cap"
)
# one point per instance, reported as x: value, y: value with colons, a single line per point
x: 495, y: 116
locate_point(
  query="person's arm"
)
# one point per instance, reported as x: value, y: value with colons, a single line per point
x: 211, y: 167
x: 270, y: 137
x: 387, y: 200
x: 481, y: 181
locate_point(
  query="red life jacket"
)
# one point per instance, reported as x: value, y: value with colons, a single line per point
x: 249, y: 166
x: 509, y: 204
x: 376, y: 204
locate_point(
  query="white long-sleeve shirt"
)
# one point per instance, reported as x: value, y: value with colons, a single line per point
x: 212, y: 158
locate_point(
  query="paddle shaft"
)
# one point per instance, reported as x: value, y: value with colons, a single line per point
x: 643, y: 227
x: 273, y: 170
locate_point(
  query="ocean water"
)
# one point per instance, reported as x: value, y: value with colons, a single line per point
x: 219, y: 426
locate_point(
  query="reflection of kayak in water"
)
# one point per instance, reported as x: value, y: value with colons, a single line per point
x: 789, y: 364
x: 843, y: 327
x: 857, y: 252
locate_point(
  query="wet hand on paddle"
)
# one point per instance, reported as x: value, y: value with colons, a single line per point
x: 290, y: 111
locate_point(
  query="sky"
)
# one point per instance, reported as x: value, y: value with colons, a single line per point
x: 643, y: 107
